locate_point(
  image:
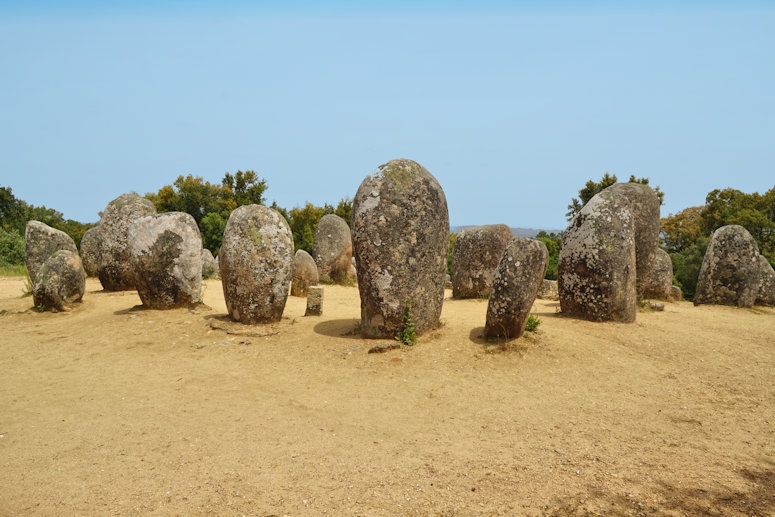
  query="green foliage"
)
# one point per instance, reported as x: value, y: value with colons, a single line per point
x: 687, y: 264
x: 450, y: 249
x: 304, y: 220
x: 211, y: 228
x: 245, y: 187
x: 553, y: 243
x: 678, y: 232
x: 408, y: 336
x: 11, y: 248
x: 532, y: 323
x: 591, y: 188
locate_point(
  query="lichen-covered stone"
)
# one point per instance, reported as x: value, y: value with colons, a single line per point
x: 165, y: 251
x: 60, y: 281
x: 114, y: 267
x: 42, y: 241
x: 400, y: 232
x: 314, y: 301
x: 304, y: 273
x: 475, y: 255
x: 644, y: 204
x: 730, y: 270
x: 766, y: 294
x: 90, y: 251
x: 518, y: 276
x: 255, y: 261
x: 596, y: 270
x: 209, y: 265
x: 548, y: 290
x: 661, y: 282
x: 676, y: 295
x: 332, y: 249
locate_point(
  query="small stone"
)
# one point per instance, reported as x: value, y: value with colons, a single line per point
x: 314, y: 301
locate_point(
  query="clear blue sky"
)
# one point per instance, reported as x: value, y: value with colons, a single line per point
x: 513, y: 106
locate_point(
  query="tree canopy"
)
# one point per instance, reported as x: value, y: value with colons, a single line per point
x: 591, y: 188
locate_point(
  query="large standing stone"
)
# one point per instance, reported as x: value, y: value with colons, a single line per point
x: 475, y: 255
x: 400, y: 230
x: 255, y: 261
x: 90, y: 251
x: 730, y: 270
x: 548, y: 290
x: 644, y: 204
x: 165, y: 251
x: 766, y: 294
x: 660, y: 286
x: 518, y: 276
x: 303, y: 274
x: 60, y: 281
x: 596, y: 270
x: 332, y: 249
x: 42, y: 241
x: 115, y: 270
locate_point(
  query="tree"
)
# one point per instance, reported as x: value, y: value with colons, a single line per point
x: 592, y: 188
x: 679, y: 231
x: 687, y: 264
x: 246, y: 188
x: 304, y: 220
x: 553, y: 243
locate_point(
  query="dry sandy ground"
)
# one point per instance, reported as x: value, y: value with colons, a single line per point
x: 114, y: 410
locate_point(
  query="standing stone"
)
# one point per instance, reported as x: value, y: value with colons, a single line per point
x: 676, y: 295
x: 255, y: 261
x: 596, y: 270
x: 644, y: 205
x: 315, y: 301
x: 400, y: 230
x: 209, y: 265
x: 766, y: 294
x: 475, y: 255
x: 115, y: 269
x: 518, y: 276
x: 60, y: 281
x: 659, y: 287
x: 165, y: 251
x: 332, y: 249
x: 42, y: 241
x: 304, y: 273
x: 730, y: 270
x: 548, y: 290
x: 90, y: 251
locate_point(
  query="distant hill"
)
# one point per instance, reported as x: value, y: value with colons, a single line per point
x: 519, y: 232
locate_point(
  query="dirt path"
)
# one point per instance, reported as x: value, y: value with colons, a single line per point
x: 114, y: 410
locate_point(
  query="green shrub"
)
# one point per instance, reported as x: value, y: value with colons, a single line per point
x: 532, y: 323
x: 11, y: 248
x: 408, y: 336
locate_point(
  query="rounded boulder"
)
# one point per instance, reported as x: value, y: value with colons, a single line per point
x: 42, y: 241
x: 475, y: 255
x: 60, y: 281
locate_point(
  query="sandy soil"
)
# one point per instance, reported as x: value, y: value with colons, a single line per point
x: 114, y: 410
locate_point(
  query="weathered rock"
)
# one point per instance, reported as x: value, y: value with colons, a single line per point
x: 314, y: 301
x: 42, y: 241
x: 114, y: 267
x: 548, y: 290
x: 475, y: 255
x: 518, y: 276
x: 596, y: 270
x: 730, y: 270
x: 165, y: 251
x: 661, y: 282
x: 255, y: 262
x: 90, y: 251
x: 60, y: 281
x: 332, y: 249
x: 400, y: 228
x: 644, y: 205
x: 209, y: 265
x: 766, y: 294
x: 676, y: 295
x: 304, y: 273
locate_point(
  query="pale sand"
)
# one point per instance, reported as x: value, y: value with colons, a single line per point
x: 111, y: 410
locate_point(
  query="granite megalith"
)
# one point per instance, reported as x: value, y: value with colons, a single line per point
x: 730, y: 270
x: 165, y: 252
x: 766, y: 289
x: 255, y: 263
x: 518, y: 276
x: 90, y: 251
x: 60, y: 281
x: 332, y: 249
x: 400, y: 232
x: 40, y: 242
x: 114, y: 267
x: 304, y: 273
x: 475, y: 255
x: 596, y: 269
x: 660, y: 284
x: 209, y: 264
